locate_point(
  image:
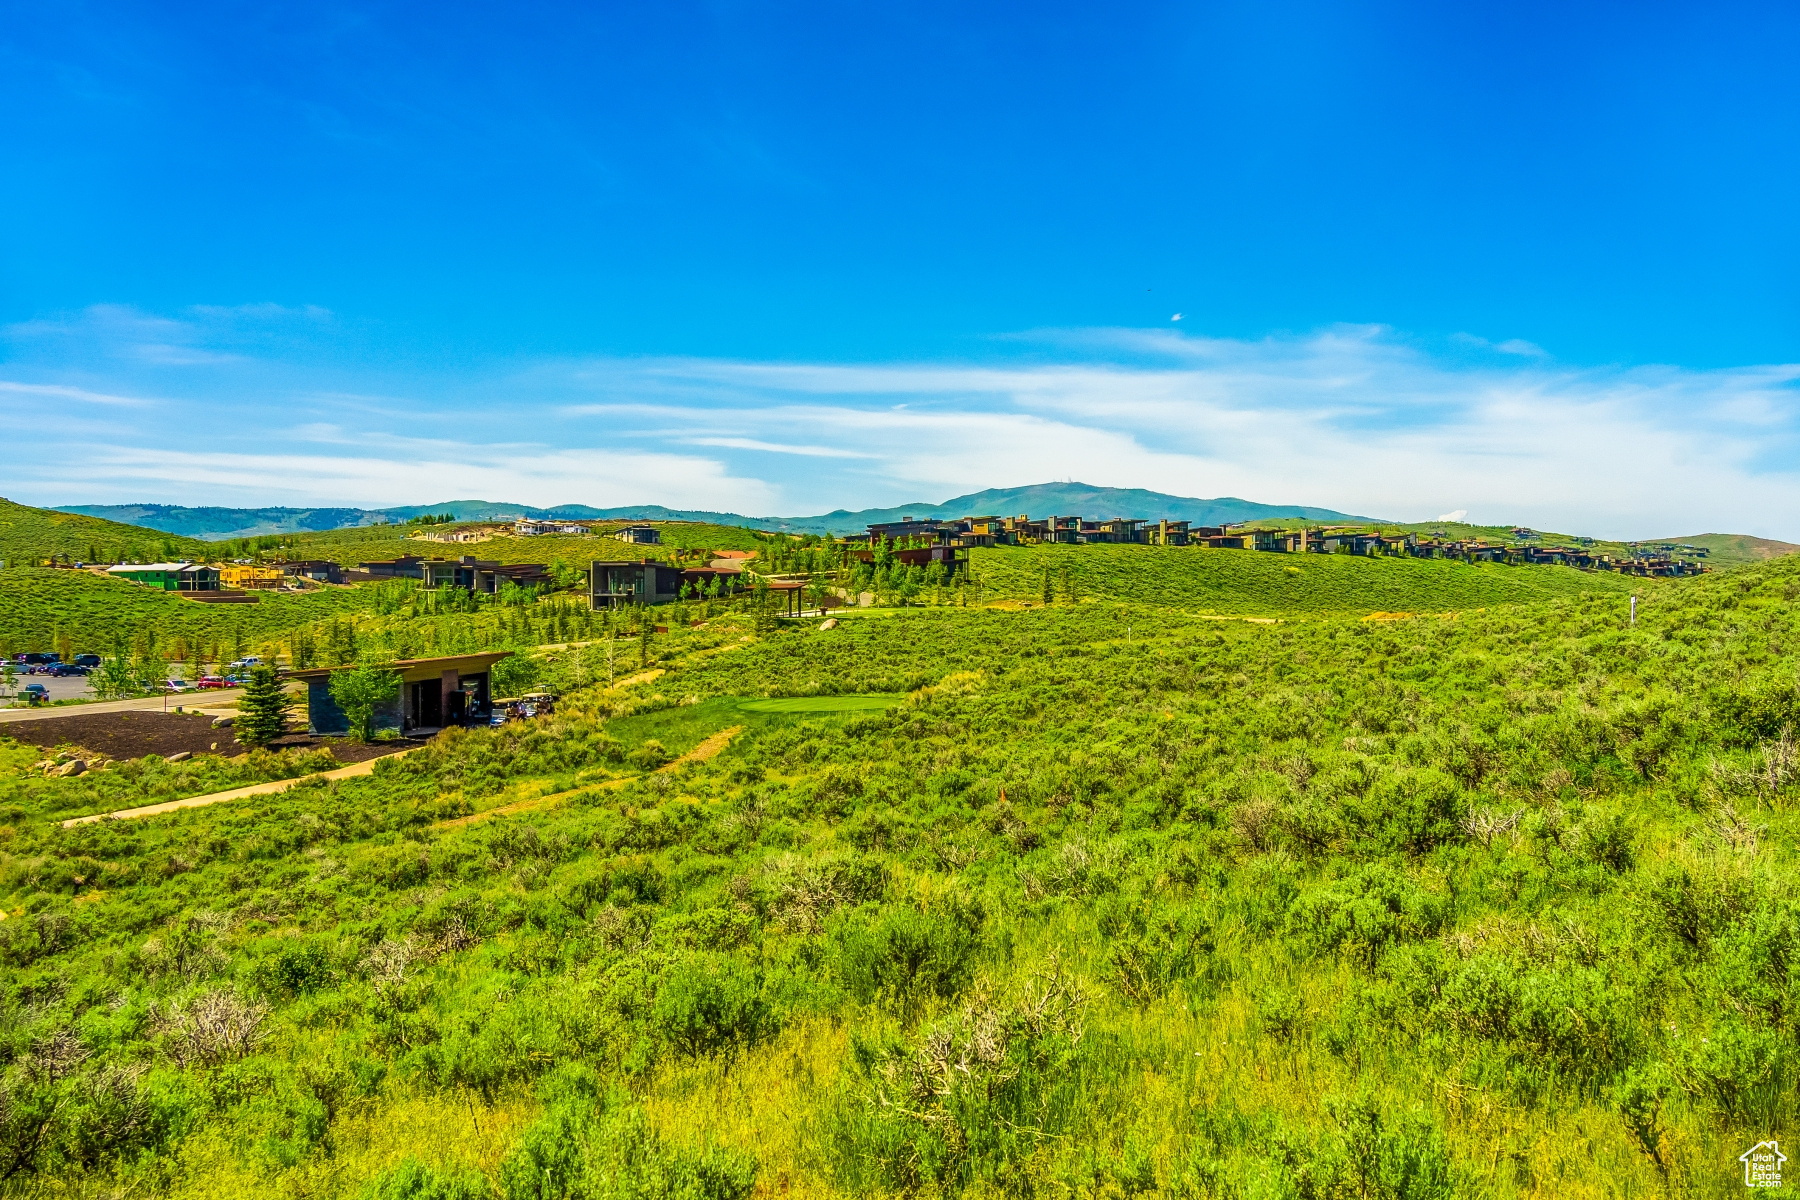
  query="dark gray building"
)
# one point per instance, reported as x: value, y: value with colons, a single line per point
x: 434, y: 692
x: 646, y: 581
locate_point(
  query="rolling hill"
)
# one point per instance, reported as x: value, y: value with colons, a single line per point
x: 29, y: 535
x: 1733, y: 549
x: 1042, y: 499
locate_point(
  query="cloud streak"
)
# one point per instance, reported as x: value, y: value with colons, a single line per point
x: 1357, y: 418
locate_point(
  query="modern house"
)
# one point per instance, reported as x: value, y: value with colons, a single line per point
x: 317, y: 570
x: 468, y: 572
x: 478, y: 575
x: 404, y: 567
x: 434, y: 692
x: 645, y: 581
x: 532, y: 527
x: 639, y: 535
x: 170, y: 576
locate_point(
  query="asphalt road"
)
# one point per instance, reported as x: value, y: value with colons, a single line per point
x: 188, y: 701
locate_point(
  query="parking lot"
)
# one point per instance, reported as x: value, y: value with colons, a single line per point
x: 61, y: 687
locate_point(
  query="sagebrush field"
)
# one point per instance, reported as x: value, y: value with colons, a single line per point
x: 1109, y: 897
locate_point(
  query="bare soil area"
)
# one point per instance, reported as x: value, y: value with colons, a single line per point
x: 125, y: 735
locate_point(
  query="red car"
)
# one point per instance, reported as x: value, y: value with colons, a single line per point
x: 211, y: 681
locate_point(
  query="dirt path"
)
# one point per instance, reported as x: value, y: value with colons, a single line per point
x: 634, y: 680
x: 710, y: 748
x: 256, y: 789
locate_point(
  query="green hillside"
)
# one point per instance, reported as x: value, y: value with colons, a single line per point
x: 37, y: 604
x: 1734, y: 549
x: 1496, y: 907
x: 351, y: 546
x: 32, y: 535
x: 1246, y: 582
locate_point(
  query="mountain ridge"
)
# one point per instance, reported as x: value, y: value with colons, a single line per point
x: 214, y: 523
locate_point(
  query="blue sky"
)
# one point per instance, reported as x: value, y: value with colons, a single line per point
x: 1533, y: 262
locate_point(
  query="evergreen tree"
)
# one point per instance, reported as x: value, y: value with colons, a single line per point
x: 262, y: 713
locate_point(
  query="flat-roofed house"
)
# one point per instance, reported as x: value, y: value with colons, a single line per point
x: 315, y: 569
x: 434, y: 692
x: 480, y: 575
x: 407, y: 566
x: 170, y: 576
x: 645, y: 581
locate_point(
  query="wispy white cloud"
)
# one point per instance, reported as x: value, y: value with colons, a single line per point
x: 1358, y: 418
x: 601, y: 478
x: 58, y: 391
x: 744, y: 443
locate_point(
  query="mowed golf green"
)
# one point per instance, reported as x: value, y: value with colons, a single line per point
x: 820, y: 704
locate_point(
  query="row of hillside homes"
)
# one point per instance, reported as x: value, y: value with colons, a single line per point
x: 198, y: 578
x: 937, y: 540
x: 639, y: 535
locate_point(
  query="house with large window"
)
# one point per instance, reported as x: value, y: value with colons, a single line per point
x: 170, y: 576
x: 434, y: 693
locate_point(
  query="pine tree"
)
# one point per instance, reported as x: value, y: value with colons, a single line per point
x: 262, y: 713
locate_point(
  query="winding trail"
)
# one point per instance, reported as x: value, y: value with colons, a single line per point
x: 710, y: 748
x: 256, y: 789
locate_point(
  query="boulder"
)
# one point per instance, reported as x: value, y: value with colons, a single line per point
x: 222, y: 722
x: 179, y: 756
x: 69, y: 769
x: 830, y: 623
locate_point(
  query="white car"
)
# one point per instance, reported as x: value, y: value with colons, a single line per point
x: 179, y: 685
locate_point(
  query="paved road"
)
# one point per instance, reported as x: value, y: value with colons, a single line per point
x: 209, y: 701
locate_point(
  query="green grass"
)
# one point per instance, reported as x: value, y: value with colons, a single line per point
x: 1248, y: 582
x: 820, y: 704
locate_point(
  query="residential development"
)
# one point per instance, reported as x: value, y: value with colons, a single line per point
x: 939, y: 539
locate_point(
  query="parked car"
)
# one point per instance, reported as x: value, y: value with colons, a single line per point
x: 35, y: 693
x: 33, y: 658
x: 178, y: 685
x: 210, y: 681
x: 90, y: 661
x: 64, y: 670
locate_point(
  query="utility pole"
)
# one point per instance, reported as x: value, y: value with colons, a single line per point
x: 1634, y: 610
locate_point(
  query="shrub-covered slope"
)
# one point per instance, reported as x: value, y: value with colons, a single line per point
x: 1500, y: 905
x: 39, y: 603
x: 1247, y: 582
x: 32, y: 535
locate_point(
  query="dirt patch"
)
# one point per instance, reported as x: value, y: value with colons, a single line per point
x: 125, y: 735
